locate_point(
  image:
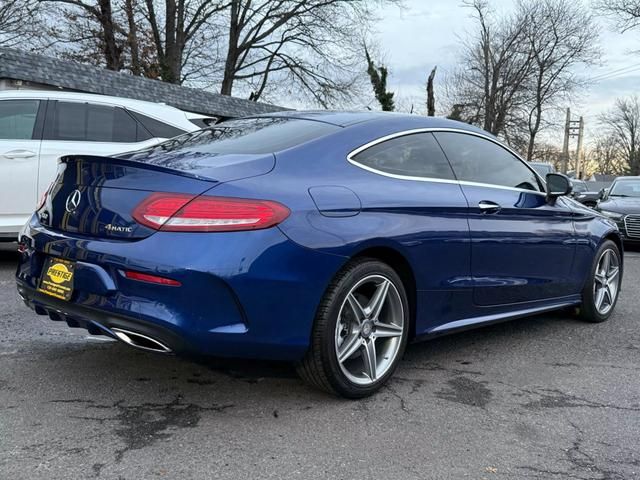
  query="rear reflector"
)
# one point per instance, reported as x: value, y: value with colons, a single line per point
x: 145, y: 277
x: 184, y: 213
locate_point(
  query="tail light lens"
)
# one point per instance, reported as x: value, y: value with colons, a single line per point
x: 186, y: 213
x: 43, y: 198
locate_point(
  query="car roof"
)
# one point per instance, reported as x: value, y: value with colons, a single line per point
x: 349, y: 118
x: 635, y: 177
x: 89, y: 97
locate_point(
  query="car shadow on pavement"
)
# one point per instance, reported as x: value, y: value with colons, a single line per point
x: 113, y: 368
x: 8, y: 252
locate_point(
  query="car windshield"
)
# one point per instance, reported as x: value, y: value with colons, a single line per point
x: 626, y: 188
x: 579, y: 187
x: 542, y: 168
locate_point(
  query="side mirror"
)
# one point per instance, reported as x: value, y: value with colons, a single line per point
x: 602, y: 194
x: 558, y: 185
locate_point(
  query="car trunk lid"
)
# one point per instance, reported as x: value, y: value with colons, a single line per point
x: 96, y: 196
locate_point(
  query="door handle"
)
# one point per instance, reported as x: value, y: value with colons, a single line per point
x: 19, y: 154
x: 486, y: 206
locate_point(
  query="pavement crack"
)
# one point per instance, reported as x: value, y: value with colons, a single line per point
x: 394, y: 392
x: 554, y: 398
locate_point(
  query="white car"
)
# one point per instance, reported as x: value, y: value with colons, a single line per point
x: 39, y: 126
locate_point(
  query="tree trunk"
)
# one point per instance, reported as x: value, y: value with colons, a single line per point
x: 232, y: 51
x: 170, y: 65
x: 136, y: 67
x: 533, y: 132
x: 431, y: 100
x: 112, y: 53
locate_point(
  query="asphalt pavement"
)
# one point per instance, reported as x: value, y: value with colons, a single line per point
x: 545, y: 397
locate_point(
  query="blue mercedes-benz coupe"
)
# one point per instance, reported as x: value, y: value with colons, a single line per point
x: 325, y: 238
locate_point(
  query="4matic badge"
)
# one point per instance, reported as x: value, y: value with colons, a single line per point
x: 117, y: 228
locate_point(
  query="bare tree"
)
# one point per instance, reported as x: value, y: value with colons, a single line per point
x: 100, y: 13
x: 17, y: 21
x: 625, y: 13
x: 605, y: 155
x: 622, y: 122
x: 308, y: 48
x: 174, y: 27
x: 154, y: 38
x: 561, y: 35
x: 497, y: 63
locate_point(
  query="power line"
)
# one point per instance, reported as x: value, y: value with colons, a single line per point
x: 617, y: 72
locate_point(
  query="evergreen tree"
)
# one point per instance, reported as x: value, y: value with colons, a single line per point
x: 378, y: 76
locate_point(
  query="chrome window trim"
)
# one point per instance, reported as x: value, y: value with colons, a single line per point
x: 404, y: 133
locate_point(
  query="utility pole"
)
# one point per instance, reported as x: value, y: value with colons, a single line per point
x: 572, y: 128
x: 565, y: 147
x: 579, y: 152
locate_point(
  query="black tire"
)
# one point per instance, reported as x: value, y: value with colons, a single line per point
x: 587, y: 310
x: 320, y: 367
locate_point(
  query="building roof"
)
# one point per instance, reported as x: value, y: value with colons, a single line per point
x: 40, y: 69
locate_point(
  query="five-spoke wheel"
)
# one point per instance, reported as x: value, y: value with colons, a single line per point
x: 360, y: 331
x: 607, y: 280
x: 601, y: 290
x: 369, y: 329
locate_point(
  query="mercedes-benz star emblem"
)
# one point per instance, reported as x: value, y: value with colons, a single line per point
x: 73, y: 200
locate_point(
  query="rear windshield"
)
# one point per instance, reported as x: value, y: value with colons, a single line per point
x: 248, y: 136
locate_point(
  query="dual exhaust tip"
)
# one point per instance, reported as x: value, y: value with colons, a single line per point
x: 140, y: 341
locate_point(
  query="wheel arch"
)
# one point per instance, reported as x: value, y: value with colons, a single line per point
x: 396, y: 260
x: 617, y: 239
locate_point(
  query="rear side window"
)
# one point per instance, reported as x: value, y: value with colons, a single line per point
x: 415, y: 155
x: 475, y: 159
x: 157, y: 128
x: 85, y: 122
x: 248, y: 136
x: 18, y: 119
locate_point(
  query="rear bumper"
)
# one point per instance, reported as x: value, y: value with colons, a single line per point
x: 99, y: 322
x: 243, y: 294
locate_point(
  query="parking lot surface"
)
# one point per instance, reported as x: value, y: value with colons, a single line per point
x: 544, y: 397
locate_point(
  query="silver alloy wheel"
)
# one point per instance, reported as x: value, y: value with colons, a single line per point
x: 607, y: 281
x: 369, y: 329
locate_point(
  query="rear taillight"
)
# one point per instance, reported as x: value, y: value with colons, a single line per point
x: 43, y: 198
x: 185, y: 213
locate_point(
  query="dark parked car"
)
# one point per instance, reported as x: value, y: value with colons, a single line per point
x: 329, y: 239
x: 583, y: 195
x: 621, y: 203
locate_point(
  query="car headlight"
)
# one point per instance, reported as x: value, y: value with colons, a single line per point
x: 612, y: 215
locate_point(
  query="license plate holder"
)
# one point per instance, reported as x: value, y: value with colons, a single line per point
x: 56, y: 279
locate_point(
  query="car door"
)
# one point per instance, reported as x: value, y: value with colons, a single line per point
x: 19, y: 149
x: 522, y: 246
x: 421, y: 206
x: 77, y: 127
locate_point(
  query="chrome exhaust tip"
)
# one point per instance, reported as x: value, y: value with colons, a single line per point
x: 140, y: 341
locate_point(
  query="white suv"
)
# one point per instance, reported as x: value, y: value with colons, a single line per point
x: 37, y: 127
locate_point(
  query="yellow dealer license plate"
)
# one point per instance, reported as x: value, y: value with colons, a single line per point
x: 57, y: 278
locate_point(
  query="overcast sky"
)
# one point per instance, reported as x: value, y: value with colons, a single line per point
x: 426, y: 33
